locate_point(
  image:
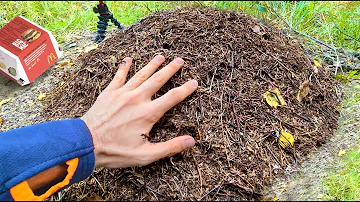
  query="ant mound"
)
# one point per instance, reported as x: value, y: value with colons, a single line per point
x: 261, y: 105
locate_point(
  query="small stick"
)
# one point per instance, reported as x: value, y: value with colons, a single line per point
x: 237, y: 120
x: 142, y: 183
x: 99, y: 185
x: 208, y: 192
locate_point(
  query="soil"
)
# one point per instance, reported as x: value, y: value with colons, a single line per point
x: 8, y: 87
x: 236, y: 59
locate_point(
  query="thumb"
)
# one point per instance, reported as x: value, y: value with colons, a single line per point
x: 171, y: 147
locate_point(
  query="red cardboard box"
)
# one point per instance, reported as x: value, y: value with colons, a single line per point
x: 26, y: 50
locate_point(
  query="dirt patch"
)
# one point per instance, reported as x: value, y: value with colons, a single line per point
x: 24, y: 107
x: 236, y: 59
x: 9, y: 87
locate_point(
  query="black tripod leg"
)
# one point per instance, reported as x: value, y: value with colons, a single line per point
x: 116, y: 22
x: 102, y: 25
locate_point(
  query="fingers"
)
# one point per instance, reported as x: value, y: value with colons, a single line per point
x: 157, y: 80
x: 144, y: 73
x: 174, y: 96
x: 169, y: 148
x: 120, y: 76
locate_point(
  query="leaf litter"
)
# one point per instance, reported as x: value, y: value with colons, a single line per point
x: 237, y: 150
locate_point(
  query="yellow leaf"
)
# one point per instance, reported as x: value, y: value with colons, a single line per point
x: 1, y: 120
x: 320, y: 196
x: 2, y: 102
x: 274, y: 98
x: 71, y: 64
x: 304, y: 90
x: 349, y: 62
x: 286, y: 139
x: 317, y: 63
x: 41, y: 96
x: 342, y: 152
x: 276, y: 199
x: 113, y: 59
x: 63, y: 64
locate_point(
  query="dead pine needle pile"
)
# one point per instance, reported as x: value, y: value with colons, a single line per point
x: 261, y: 105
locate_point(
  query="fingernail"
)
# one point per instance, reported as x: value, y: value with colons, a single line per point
x: 179, y: 61
x: 189, y: 142
x: 126, y: 60
x: 159, y: 58
x: 194, y: 83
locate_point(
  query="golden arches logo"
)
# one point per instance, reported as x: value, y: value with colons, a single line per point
x: 51, y: 57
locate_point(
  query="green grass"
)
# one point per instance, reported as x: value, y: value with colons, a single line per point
x: 345, y: 185
x: 336, y: 23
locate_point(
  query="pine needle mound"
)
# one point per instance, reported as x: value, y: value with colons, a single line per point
x: 236, y: 59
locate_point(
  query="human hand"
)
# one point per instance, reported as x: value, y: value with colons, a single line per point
x: 124, y: 112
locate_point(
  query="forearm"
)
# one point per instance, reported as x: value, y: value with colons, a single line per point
x: 37, y: 155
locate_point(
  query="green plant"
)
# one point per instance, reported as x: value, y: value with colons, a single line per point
x: 345, y: 185
x: 332, y: 22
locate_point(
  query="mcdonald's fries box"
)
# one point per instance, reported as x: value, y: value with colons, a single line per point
x: 26, y: 50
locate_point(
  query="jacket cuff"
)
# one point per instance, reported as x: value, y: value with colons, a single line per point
x: 30, y: 150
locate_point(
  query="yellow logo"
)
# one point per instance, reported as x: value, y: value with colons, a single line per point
x: 51, y: 57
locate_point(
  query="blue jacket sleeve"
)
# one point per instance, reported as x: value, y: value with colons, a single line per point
x: 27, y: 151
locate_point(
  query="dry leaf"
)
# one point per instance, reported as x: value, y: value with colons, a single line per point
x: 342, y: 152
x: 91, y: 47
x: 317, y: 63
x: 94, y: 198
x: 286, y: 139
x: 2, y: 102
x: 304, y: 90
x: 274, y: 98
x: 256, y: 29
x: 41, y: 96
x: 316, y: 70
x: 267, y: 199
x: 320, y: 196
x: 63, y: 64
x: 112, y: 61
x: 76, y: 38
